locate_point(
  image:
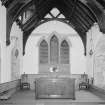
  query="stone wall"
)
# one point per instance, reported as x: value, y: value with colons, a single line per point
x: 15, y: 62
x: 15, y: 52
x: 99, y: 63
x: 3, y: 74
x: 96, y: 61
x: 10, y: 63
x: 61, y: 69
x: 77, y: 58
x: 5, y: 52
x: 0, y: 62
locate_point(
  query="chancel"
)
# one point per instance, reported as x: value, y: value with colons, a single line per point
x: 52, y: 52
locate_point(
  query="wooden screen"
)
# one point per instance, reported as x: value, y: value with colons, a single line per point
x: 54, y: 50
x: 64, y: 52
x: 43, y: 52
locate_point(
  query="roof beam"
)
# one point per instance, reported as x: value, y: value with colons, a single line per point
x: 36, y: 17
x: 32, y: 21
x: 86, y: 12
x: 26, y: 35
x: 78, y: 25
x: 6, y: 2
x: 99, y: 13
x: 82, y: 20
x: 83, y: 15
x: 102, y: 2
x: 12, y: 15
x: 44, y: 8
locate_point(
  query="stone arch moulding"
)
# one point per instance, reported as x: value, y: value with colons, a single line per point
x: 68, y: 40
x: 28, y: 33
x: 41, y: 39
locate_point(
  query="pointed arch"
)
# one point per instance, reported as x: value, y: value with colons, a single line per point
x: 43, y: 52
x: 54, y: 50
x: 64, y: 52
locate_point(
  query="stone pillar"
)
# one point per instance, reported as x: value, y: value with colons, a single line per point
x: 16, y: 52
x: 4, y: 73
x: 93, y: 60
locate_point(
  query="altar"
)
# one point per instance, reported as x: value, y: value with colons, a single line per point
x: 51, y: 87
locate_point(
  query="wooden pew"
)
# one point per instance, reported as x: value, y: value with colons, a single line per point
x: 8, y: 89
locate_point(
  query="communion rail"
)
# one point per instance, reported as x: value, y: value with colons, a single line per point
x: 8, y: 89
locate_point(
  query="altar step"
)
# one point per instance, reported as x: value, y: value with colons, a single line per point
x: 53, y: 103
x: 28, y: 98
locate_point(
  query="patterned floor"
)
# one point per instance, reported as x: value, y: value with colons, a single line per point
x: 28, y: 98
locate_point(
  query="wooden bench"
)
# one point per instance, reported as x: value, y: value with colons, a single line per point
x: 8, y: 89
x: 7, y: 95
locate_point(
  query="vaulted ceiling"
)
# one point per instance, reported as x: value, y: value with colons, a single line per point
x: 79, y: 14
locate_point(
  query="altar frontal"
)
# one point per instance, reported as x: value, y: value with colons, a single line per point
x: 60, y: 87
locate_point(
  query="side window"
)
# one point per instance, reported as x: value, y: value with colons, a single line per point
x: 43, y: 50
x: 54, y: 50
x: 64, y: 52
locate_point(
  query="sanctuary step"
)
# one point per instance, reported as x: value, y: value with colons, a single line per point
x: 28, y: 98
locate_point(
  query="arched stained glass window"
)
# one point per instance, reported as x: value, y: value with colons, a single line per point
x: 43, y: 52
x: 54, y: 50
x: 64, y: 52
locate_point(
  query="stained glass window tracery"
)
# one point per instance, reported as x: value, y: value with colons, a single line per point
x: 43, y: 52
x: 54, y: 50
x: 64, y: 52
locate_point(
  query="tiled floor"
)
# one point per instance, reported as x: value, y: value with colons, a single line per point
x: 28, y: 98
